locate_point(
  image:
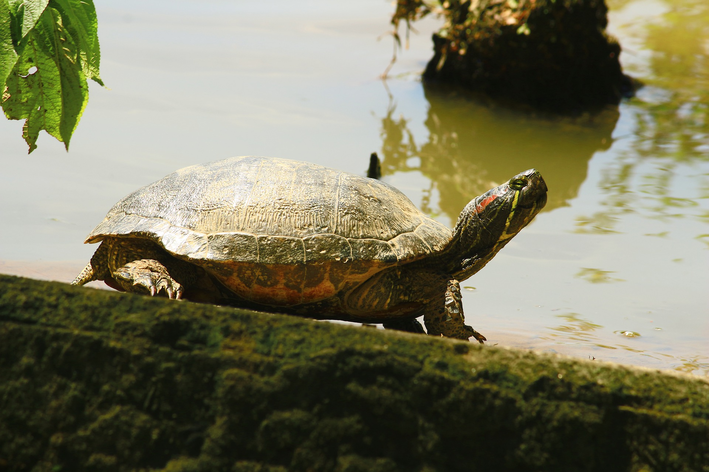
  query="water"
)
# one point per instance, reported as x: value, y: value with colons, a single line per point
x: 615, y: 268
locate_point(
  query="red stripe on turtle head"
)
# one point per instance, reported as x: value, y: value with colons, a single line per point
x: 480, y: 207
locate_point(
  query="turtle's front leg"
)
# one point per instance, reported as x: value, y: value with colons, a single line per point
x: 448, y: 319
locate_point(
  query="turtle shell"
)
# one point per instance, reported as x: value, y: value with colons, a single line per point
x: 277, y: 231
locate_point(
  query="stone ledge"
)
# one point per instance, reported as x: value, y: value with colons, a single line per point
x: 97, y: 380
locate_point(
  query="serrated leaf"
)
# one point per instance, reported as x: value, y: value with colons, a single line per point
x: 27, y: 13
x: 47, y: 87
x: 49, y: 48
x: 80, y: 20
x: 8, y: 56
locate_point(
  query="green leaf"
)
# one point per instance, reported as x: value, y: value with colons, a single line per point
x: 49, y: 49
x: 47, y: 86
x: 8, y: 56
x: 80, y: 20
x: 27, y: 13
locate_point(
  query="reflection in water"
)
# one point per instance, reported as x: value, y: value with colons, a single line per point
x: 643, y: 184
x: 703, y: 238
x: 672, y: 123
x: 694, y: 365
x: 636, y: 198
x: 676, y: 124
x: 575, y: 328
x: 628, y: 334
x: 597, y: 276
x: 471, y: 147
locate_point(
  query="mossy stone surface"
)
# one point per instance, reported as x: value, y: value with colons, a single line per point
x: 93, y: 380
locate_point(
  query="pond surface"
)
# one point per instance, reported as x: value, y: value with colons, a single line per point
x: 615, y: 268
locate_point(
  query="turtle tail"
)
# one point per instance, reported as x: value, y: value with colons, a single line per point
x: 86, y: 275
x: 96, y: 269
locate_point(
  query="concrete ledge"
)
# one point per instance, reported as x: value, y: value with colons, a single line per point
x: 96, y: 380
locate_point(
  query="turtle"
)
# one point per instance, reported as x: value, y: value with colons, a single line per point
x: 292, y: 237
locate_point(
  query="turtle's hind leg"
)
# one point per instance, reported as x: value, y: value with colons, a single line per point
x: 410, y: 325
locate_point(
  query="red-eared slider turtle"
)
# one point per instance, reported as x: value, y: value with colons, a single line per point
x: 293, y: 237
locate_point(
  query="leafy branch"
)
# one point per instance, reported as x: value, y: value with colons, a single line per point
x: 48, y: 50
x: 408, y: 11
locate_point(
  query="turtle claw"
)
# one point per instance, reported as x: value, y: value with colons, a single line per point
x: 174, y: 292
x: 170, y: 287
x: 167, y: 284
x: 478, y: 337
x: 150, y: 275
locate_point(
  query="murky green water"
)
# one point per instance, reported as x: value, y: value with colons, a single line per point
x: 615, y: 268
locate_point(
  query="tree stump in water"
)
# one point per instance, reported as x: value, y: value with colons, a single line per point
x: 550, y: 55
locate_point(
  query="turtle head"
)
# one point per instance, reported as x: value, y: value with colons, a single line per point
x: 491, y: 220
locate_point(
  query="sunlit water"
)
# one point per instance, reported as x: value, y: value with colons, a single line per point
x: 615, y: 268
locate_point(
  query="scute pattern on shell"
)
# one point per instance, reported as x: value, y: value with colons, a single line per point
x: 244, y: 217
x: 232, y: 210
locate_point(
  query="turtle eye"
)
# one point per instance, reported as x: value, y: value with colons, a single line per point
x: 518, y: 184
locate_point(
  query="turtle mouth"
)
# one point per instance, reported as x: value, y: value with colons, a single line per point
x: 540, y: 203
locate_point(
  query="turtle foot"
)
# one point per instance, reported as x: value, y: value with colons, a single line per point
x: 464, y: 332
x: 449, y: 321
x: 150, y: 275
x: 478, y: 337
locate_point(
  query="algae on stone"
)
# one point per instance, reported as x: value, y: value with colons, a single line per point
x: 96, y: 380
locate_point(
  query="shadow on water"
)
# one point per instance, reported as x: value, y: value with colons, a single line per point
x: 472, y: 147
